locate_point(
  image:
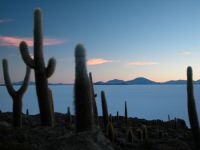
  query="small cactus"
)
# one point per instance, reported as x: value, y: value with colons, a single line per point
x: 93, y: 100
x: 169, y: 118
x: 117, y: 116
x: 16, y: 95
x: 69, y: 117
x: 130, y: 136
x: 42, y: 73
x: 110, y: 118
x: 110, y: 132
x: 83, y: 95
x: 27, y: 112
x: 126, y: 114
x: 192, y: 109
x: 145, y: 132
x: 140, y: 134
x: 104, y: 109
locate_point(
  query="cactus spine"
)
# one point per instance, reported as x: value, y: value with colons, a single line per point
x: 16, y: 95
x: 83, y: 95
x: 104, y: 109
x: 41, y: 72
x: 192, y: 109
x: 93, y: 100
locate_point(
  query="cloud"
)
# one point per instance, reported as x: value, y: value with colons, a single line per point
x: 97, y: 61
x: 185, y: 53
x: 5, y: 20
x: 142, y: 63
x: 15, y: 40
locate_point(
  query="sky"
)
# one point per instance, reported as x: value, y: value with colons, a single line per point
x: 124, y: 39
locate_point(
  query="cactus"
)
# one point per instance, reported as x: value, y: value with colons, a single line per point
x: 169, y: 118
x: 110, y: 118
x: 145, y: 132
x: 16, y: 95
x: 110, y: 132
x: 130, y: 136
x: 27, y: 112
x: 93, y: 100
x: 83, y: 95
x: 117, y: 116
x: 140, y: 134
x: 104, y: 109
x: 42, y: 73
x: 192, y: 109
x: 69, y: 117
x: 126, y: 114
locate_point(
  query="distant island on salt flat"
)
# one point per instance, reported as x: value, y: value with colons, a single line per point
x: 136, y: 81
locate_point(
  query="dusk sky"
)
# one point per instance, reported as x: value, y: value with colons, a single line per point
x: 124, y: 39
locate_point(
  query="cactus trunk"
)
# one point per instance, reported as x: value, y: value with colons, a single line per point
x: 83, y: 95
x: 93, y: 100
x: 192, y: 109
x: 17, y: 111
x: 16, y: 95
x: 126, y: 114
x: 104, y: 109
x: 42, y: 73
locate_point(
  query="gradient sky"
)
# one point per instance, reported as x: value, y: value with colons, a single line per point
x: 124, y: 39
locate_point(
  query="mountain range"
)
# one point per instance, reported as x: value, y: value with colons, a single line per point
x: 142, y: 81
x: 136, y: 81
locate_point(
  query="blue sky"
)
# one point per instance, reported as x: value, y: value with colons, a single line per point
x: 124, y: 39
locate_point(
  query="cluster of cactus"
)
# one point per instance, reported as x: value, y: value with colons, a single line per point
x: 42, y: 73
x: 86, y: 112
x: 16, y: 95
x: 193, y: 118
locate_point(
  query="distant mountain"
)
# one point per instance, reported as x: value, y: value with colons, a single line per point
x: 176, y: 82
x: 136, y: 81
x: 143, y: 81
x: 140, y: 80
x: 115, y: 82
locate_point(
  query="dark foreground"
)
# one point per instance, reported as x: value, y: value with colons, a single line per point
x: 159, y: 135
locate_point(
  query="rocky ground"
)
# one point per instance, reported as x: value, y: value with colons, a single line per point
x: 170, y: 135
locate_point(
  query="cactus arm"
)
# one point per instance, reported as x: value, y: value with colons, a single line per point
x: 25, y: 82
x: 25, y: 55
x: 192, y: 109
x: 50, y: 67
x: 7, y: 80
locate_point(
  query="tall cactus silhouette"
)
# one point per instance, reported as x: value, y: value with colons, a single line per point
x: 126, y: 114
x: 16, y: 95
x: 42, y: 73
x: 104, y: 109
x: 192, y: 109
x: 93, y: 100
x: 83, y: 95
